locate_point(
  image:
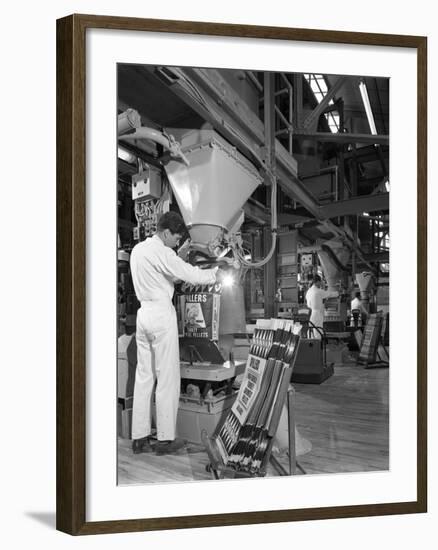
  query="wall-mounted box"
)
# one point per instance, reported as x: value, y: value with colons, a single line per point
x: 146, y: 184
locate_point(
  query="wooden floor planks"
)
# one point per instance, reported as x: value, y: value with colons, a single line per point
x: 346, y: 419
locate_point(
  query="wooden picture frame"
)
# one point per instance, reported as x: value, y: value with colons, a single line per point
x: 71, y: 273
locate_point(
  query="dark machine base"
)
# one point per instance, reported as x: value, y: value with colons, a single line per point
x: 310, y: 365
x: 303, y: 377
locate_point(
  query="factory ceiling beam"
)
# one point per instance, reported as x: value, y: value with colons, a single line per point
x: 284, y: 218
x: 312, y: 120
x: 214, y: 108
x: 377, y: 257
x: 365, y: 154
x: 211, y: 97
x: 211, y: 81
x: 356, y: 205
x: 294, y: 188
x: 257, y: 212
x: 343, y: 138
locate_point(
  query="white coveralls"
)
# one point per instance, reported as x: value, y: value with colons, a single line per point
x: 356, y: 303
x: 154, y: 268
x: 314, y: 300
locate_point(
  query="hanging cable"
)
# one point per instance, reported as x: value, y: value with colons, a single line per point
x: 263, y: 262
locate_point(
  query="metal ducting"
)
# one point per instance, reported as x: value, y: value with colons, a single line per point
x: 333, y: 261
x: 365, y: 281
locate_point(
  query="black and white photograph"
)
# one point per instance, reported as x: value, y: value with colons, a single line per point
x: 253, y: 268
x: 218, y: 298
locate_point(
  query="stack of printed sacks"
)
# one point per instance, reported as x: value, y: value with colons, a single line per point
x: 248, y: 431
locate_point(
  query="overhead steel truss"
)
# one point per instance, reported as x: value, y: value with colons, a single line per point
x: 211, y: 97
x: 356, y: 205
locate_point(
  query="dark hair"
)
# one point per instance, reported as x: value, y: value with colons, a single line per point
x: 357, y: 294
x: 316, y: 279
x: 172, y: 221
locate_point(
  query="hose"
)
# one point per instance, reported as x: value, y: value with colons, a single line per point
x: 162, y: 138
x: 263, y: 262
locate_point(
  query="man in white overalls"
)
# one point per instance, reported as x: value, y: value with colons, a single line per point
x: 315, y: 297
x: 155, y: 267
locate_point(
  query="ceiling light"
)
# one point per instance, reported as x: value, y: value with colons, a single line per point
x: 367, y: 105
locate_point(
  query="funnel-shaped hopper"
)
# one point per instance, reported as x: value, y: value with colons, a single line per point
x: 365, y: 283
x: 333, y: 262
x: 213, y: 188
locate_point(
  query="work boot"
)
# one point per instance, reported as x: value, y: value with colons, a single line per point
x: 169, y: 447
x: 141, y: 445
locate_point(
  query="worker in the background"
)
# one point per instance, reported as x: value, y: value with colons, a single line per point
x: 155, y: 267
x: 361, y: 315
x: 356, y: 303
x: 315, y: 297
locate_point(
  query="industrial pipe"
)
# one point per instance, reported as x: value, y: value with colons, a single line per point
x: 269, y: 103
x: 167, y: 141
x: 128, y: 120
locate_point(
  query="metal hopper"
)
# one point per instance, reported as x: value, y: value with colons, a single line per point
x: 334, y: 258
x: 212, y: 189
x: 365, y: 281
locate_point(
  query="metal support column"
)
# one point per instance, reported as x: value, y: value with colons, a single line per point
x: 270, y: 272
x: 341, y: 172
x: 298, y: 101
x: 291, y: 427
x: 269, y: 119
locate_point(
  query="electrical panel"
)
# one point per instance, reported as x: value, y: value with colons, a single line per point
x: 146, y: 184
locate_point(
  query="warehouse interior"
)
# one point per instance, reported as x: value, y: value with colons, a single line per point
x: 286, y: 176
